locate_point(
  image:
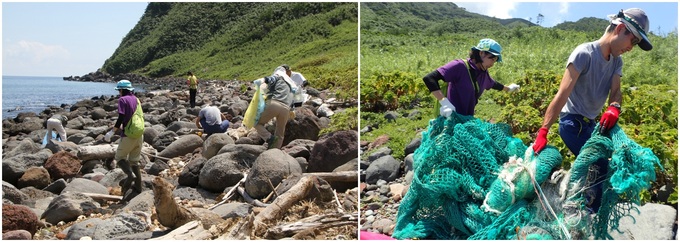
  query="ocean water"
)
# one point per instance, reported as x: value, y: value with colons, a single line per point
x: 35, y: 94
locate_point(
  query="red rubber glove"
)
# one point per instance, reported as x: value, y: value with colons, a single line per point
x: 541, y: 140
x: 609, y: 119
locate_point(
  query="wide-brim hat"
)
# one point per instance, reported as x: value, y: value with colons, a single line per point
x: 124, y: 84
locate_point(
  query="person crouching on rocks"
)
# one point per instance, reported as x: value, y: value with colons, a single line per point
x: 211, y: 120
x: 129, y: 151
x: 279, y: 104
x: 56, y: 123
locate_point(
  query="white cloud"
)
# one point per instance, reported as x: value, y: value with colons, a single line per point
x: 25, y: 57
x: 500, y: 9
x: 564, y: 8
x: 34, y: 51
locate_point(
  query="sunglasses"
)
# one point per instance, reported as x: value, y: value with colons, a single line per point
x: 635, y: 40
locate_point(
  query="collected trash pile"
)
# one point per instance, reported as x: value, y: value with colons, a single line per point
x: 473, y: 180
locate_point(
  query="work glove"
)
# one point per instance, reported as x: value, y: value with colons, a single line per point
x: 108, y: 135
x: 447, y: 108
x: 513, y: 88
x: 541, y: 140
x: 258, y: 82
x: 609, y: 119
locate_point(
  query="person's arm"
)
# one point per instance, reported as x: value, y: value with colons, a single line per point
x: 119, y: 123
x: 615, y: 95
x: 223, y: 117
x: 432, y: 82
x: 566, y: 86
x: 198, y: 123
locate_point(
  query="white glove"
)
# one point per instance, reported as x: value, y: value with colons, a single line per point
x: 513, y: 88
x: 447, y: 108
x: 258, y: 82
x: 108, y: 135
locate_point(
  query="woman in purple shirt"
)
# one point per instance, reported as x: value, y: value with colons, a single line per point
x: 467, y: 79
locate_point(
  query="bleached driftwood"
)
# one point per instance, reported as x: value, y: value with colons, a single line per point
x: 315, y: 222
x: 282, y: 203
x: 250, y: 199
x: 106, y: 197
x: 106, y: 151
x: 190, y: 231
x: 341, y: 176
x: 230, y: 193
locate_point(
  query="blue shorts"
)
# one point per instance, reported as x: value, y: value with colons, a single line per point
x: 575, y: 130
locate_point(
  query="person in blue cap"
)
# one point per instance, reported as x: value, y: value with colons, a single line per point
x: 593, y: 74
x: 467, y: 79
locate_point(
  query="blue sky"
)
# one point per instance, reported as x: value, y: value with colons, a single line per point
x: 63, y: 39
x: 662, y: 16
x: 75, y: 38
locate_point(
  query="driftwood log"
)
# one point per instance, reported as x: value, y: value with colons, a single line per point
x: 316, y: 222
x: 192, y: 230
x: 106, y: 151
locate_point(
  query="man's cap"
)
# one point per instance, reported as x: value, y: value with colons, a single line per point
x: 637, y: 22
x: 124, y: 84
x: 285, y: 66
x: 490, y: 46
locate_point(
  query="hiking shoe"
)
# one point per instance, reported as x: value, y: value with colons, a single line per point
x: 272, y: 141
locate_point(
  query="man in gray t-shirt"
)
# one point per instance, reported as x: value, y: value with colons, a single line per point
x: 211, y: 120
x: 594, y: 74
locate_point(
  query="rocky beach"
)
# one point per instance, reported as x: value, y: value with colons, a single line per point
x: 226, y: 186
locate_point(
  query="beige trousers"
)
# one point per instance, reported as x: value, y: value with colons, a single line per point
x: 130, y: 149
x: 278, y: 110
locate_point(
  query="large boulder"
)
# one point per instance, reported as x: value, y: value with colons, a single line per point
x: 269, y: 169
x: 68, y: 206
x: 37, y: 177
x: 333, y: 150
x: 26, y: 146
x: 63, y: 165
x: 86, y: 186
x: 12, y: 194
x: 97, y: 229
x: 214, y: 143
x: 15, y: 217
x: 304, y: 126
x: 220, y: 172
x: 189, y: 174
x: 384, y: 168
x: 184, y: 145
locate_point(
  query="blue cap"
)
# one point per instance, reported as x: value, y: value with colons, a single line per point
x: 124, y: 84
x: 490, y: 46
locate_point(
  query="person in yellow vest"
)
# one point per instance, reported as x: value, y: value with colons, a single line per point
x: 192, y: 81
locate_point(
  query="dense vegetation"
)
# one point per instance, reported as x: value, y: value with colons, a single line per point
x: 244, y: 41
x: 394, y: 60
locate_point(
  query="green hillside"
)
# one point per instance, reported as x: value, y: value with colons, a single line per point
x: 244, y: 41
x: 393, y: 63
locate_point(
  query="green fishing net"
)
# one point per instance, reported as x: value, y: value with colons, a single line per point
x: 474, y: 180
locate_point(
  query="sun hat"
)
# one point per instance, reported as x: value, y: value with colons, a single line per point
x: 490, y: 46
x: 637, y: 22
x: 124, y: 84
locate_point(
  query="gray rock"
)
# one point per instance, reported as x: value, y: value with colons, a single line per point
x: 112, y: 178
x: 67, y: 207
x: 142, y: 202
x: 26, y: 146
x: 13, y: 194
x: 17, y: 235
x: 177, y: 125
x: 214, y: 143
x: 271, y: 166
x: 385, y: 168
x: 85, y: 185
x: 184, y: 145
x: 233, y: 210
x: 56, y: 187
x: 380, y: 152
x: 413, y: 146
x: 220, y: 172
x: 198, y: 194
x: 245, y: 154
x: 189, y: 174
x: 408, y: 163
x: 157, y: 167
x: 333, y: 150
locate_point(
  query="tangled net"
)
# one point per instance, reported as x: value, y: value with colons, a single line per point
x: 473, y: 180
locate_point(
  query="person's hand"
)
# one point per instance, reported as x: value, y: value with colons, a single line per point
x: 447, y: 108
x: 513, y: 88
x: 541, y: 140
x: 291, y: 115
x: 258, y: 82
x: 609, y: 119
x: 108, y: 135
